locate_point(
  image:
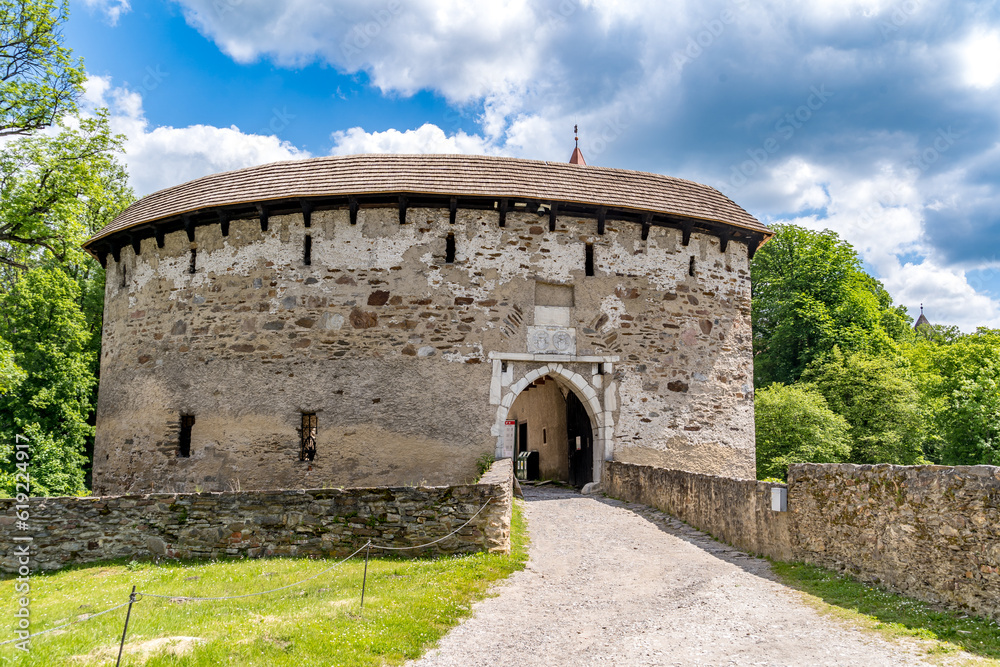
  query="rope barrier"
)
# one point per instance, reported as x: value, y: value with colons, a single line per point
x: 440, y: 539
x: 250, y: 595
x: 59, y: 627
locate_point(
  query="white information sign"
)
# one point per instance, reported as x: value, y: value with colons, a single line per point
x: 509, y: 433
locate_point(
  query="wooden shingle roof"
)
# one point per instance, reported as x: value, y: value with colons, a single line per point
x: 447, y: 175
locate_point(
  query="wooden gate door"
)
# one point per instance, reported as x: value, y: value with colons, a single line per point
x: 581, y: 442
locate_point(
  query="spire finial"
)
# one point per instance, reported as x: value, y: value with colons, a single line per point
x: 577, y: 157
x: 921, y: 309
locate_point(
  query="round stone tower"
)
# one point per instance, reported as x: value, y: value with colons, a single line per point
x: 390, y: 319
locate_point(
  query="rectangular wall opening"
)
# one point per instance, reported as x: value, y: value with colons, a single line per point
x: 307, y: 433
x: 691, y: 266
x: 184, y: 440
x: 194, y: 260
x: 307, y: 247
x: 449, y: 249
x: 588, y: 264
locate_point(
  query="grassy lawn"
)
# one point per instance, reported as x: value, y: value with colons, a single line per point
x: 893, y: 615
x: 409, y: 605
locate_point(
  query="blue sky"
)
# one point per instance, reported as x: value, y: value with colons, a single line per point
x: 878, y: 119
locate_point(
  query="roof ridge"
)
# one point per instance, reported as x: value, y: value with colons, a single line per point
x: 453, y: 174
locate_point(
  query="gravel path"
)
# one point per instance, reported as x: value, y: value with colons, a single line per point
x: 611, y: 583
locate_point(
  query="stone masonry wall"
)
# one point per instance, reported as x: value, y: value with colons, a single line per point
x: 312, y: 522
x: 389, y: 345
x: 930, y: 532
x: 737, y: 511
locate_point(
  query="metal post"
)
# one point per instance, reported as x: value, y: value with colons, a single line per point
x: 364, y: 581
x: 131, y: 600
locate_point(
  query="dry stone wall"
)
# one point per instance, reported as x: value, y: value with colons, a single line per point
x: 389, y: 344
x: 737, y: 511
x: 310, y: 522
x: 930, y: 532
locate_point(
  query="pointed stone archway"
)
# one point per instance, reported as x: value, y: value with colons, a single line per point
x: 589, y: 378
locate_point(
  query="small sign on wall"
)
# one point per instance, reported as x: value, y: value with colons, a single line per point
x: 509, y: 433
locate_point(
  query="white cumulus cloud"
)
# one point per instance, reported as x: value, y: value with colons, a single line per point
x: 427, y: 138
x: 112, y: 9
x: 159, y: 157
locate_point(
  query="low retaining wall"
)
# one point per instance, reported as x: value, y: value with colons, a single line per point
x: 930, y: 532
x: 312, y: 522
x: 737, y: 511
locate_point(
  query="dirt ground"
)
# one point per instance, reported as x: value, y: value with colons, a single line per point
x: 610, y: 583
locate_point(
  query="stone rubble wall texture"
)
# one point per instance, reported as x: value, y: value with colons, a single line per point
x: 309, y: 522
x: 929, y: 532
x: 736, y: 511
x: 390, y: 345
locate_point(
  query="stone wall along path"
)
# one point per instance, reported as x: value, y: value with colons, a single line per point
x: 611, y: 583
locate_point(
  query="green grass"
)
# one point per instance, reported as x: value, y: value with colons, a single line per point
x: 892, y: 615
x: 409, y: 605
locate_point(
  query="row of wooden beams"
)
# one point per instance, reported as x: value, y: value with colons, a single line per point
x: 223, y: 215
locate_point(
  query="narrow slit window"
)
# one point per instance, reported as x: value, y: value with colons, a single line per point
x: 691, y: 266
x: 449, y: 249
x: 184, y: 441
x: 194, y: 260
x: 589, y: 261
x: 545, y: 437
x: 124, y: 275
x: 307, y: 446
x: 307, y: 248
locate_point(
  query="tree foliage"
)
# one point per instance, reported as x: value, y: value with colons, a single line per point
x: 959, y: 378
x: 877, y: 395
x: 57, y: 190
x: 810, y: 294
x: 39, y: 79
x: 795, y: 425
x: 50, y: 338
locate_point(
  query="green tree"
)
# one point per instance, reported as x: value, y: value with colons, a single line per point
x: 11, y: 375
x: 879, y: 399
x: 795, y: 425
x: 959, y: 379
x: 810, y: 294
x: 57, y: 190
x: 39, y: 79
x: 50, y: 338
